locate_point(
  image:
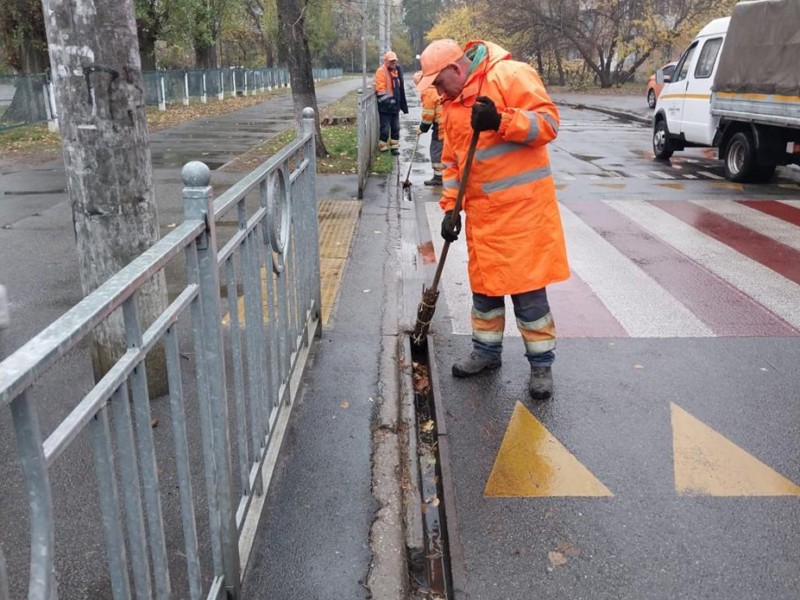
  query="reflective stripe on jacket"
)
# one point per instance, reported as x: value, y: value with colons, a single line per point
x: 432, y: 109
x: 385, y: 82
x: 514, y: 234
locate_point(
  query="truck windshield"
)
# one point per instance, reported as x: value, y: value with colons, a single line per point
x: 683, y: 67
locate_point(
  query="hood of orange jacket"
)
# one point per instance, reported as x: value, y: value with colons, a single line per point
x: 515, y: 238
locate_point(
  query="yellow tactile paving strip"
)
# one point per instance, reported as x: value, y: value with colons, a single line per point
x: 337, y: 223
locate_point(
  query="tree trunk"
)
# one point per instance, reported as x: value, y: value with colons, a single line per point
x: 562, y: 77
x: 107, y: 158
x: 28, y: 103
x: 291, y: 20
x: 147, y: 49
x: 206, y: 56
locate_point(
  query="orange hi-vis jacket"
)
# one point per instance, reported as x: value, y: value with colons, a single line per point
x: 515, y: 239
x: 383, y: 83
x: 432, y: 109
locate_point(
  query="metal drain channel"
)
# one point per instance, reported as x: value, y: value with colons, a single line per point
x: 436, y: 580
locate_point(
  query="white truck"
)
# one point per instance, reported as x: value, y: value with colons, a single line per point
x: 737, y: 88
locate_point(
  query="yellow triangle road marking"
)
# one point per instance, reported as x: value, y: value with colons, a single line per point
x: 533, y: 463
x: 708, y: 464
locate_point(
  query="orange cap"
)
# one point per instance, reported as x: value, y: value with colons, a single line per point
x: 417, y: 77
x: 439, y: 55
x: 389, y: 56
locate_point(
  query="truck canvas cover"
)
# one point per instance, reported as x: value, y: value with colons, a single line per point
x: 761, y: 54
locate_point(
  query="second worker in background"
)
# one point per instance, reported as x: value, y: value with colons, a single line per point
x: 391, y: 95
x: 432, y: 120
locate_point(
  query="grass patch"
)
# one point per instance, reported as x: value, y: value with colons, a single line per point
x: 28, y: 138
x: 383, y: 164
x: 255, y: 156
x: 344, y: 107
x: 341, y: 141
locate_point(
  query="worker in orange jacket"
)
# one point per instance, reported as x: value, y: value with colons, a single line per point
x: 391, y: 100
x: 515, y: 239
x: 432, y: 118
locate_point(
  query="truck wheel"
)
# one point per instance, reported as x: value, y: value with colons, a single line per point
x: 740, y: 161
x: 662, y: 146
x: 651, y: 98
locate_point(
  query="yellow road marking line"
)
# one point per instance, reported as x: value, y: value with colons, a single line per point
x: 709, y: 464
x: 531, y: 462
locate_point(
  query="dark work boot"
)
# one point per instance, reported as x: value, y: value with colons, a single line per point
x: 474, y: 364
x: 396, y: 151
x: 540, y: 386
x: 435, y: 180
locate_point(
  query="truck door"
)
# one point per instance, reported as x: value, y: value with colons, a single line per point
x: 698, y: 125
x: 673, y: 96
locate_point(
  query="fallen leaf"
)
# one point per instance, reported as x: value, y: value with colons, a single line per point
x: 568, y: 549
x: 556, y: 558
x: 638, y: 367
x: 344, y: 404
x: 427, y: 426
x: 154, y: 423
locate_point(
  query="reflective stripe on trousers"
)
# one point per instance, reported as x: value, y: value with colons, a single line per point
x: 534, y: 320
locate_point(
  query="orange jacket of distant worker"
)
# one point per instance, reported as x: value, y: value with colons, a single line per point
x: 514, y: 234
x: 432, y: 110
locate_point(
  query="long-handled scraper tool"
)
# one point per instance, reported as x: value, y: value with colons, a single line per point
x: 427, y: 306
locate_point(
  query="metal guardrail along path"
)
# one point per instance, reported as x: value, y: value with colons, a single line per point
x: 272, y: 256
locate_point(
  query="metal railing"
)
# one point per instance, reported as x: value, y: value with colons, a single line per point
x: 26, y: 99
x: 272, y: 256
x: 368, y: 132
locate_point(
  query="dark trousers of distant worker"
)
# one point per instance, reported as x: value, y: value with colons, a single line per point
x: 390, y: 124
x: 534, y: 321
x: 436, y: 151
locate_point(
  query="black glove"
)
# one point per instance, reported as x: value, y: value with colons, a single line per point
x: 451, y: 226
x: 423, y: 127
x: 484, y: 115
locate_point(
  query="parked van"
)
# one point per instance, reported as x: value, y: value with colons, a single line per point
x: 737, y: 88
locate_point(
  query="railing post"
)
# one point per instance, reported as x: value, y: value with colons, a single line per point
x: 361, y: 126
x: 162, y: 101
x: 198, y: 203
x: 204, y: 97
x: 310, y: 129
x: 37, y: 480
x: 186, y: 88
x: 221, y: 93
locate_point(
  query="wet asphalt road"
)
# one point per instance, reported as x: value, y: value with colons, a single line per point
x: 667, y: 464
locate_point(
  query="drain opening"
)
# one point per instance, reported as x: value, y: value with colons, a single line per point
x: 435, y: 580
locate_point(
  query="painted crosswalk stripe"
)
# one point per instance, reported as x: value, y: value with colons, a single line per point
x: 787, y: 210
x: 760, y: 222
x: 709, y: 175
x: 689, y: 176
x: 730, y: 313
x: 767, y: 251
x: 762, y: 284
x: 661, y: 175
x: 644, y: 309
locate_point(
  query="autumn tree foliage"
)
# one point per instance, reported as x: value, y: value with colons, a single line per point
x: 608, y: 39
